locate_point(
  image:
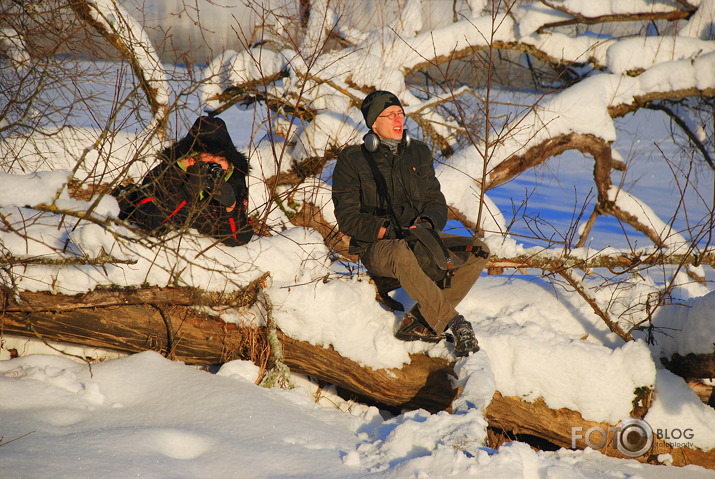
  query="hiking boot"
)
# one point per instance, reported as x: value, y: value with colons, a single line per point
x: 464, y: 340
x: 415, y: 328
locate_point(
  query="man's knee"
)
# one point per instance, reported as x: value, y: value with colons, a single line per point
x: 402, y: 255
x: 485, y: 251
x: 389, y: 257
x: 477, y: 259
x: 480, y: 252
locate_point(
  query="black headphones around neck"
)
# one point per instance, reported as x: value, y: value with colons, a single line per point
x: 372, y: 141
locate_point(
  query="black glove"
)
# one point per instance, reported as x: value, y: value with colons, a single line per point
x: 205, y: 177
x: 199, y: 178
x: 390, y: 233
x: 224, y: 195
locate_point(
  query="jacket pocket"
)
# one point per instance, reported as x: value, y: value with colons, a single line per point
x: 416, y: 183
x: 369, y: 198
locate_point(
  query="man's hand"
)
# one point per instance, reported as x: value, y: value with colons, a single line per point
x: 203, y: 179
x: 225, y: 196
x: 199, y: 178
x: 422, y: 223
x: 386, y: 232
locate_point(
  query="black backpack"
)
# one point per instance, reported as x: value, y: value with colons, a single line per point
x: 127, y: 196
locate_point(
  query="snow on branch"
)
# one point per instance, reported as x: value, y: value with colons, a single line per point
x: 591, y: 13
x: 129, y: 38
x: 660, y: 233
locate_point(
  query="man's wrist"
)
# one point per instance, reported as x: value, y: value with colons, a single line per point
x: 424, y: 221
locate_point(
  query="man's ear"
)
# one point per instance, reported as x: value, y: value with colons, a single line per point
x: 371, y: 141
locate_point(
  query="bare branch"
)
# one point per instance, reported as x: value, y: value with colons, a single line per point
x: 119, y: 32
x: 579, y: 19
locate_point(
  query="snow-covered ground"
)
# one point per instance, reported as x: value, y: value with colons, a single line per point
x: 146, y: 416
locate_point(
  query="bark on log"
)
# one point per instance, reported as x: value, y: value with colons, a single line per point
x: 516, y: 416
x: 132, y: 328
x: 706, y: 392
x: 622, y: 263
x: 163, y: 320
x: 311, y: 216
x: 423, y: 383
x: 538, y: 154
x: 578, y: 18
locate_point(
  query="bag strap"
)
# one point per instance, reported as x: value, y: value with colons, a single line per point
x: 475, y: 250
x: 383, y: 192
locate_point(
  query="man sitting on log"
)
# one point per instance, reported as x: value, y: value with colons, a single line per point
x: 200, y: 183
x: 384, y: 191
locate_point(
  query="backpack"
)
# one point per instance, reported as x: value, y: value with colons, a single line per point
x: 127, y: 196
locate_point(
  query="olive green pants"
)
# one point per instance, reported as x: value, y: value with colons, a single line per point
x: 394, y: 259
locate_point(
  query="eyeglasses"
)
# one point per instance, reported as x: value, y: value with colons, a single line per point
x: 393, y: 115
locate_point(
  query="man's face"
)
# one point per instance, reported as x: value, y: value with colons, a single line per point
x: 209, y: 158
x: 390, y: 123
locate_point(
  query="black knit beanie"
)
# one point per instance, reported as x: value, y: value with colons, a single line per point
x: 375, y: 103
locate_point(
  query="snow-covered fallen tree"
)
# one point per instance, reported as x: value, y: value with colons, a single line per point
x: 303, y: 83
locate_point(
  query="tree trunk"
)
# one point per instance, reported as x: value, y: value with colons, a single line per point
x: 163, y: 320
x: 691, y: 366
x: 423, y: 383
x: 706, y: 392
x: 517, y: 417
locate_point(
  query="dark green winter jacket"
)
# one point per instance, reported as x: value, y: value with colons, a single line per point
x: 412, y: 185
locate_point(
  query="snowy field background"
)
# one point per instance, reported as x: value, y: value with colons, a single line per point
x: 145, y: 416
